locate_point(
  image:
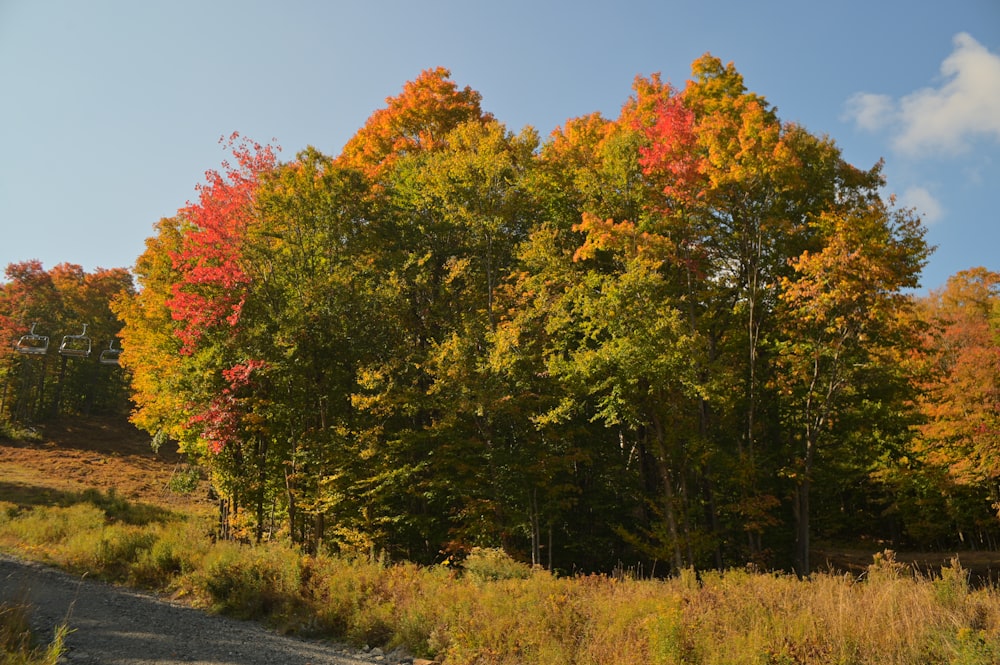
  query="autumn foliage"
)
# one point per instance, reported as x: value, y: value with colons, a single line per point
x: 684, y: 335
x: 56, y: 303
x: 210, y: 292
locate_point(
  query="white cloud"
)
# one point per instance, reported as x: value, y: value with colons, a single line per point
x: 870, y: 111
x: 946, y: 119
x: 926, y: 205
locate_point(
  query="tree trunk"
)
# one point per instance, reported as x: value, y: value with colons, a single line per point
x: 261, y: 487
x: 290, y: 496
x: 669, y: 498
x: 802, y: 508
x: 802, y: 527
x: 536, y: 535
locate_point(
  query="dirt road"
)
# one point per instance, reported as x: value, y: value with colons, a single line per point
x: 116, y: 626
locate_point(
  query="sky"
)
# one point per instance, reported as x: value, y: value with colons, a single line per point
x: 112, y: 111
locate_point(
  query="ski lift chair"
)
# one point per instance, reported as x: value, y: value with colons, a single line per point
x: 109, y: 356
x: 76, y: 346
x: 32, y: 344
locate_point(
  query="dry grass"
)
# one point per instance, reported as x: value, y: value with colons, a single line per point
x: 499, y: 612
x: 67, y: 458
x: 495, y: 611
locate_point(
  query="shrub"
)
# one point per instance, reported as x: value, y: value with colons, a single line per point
x: 185, y: 480
x: 8, y: 511
x: 12, y: 432
x: 178, y: 550
x: 251, y: 582
x: 111, y: 551
x: 502, y: 612
x: 490, y: 565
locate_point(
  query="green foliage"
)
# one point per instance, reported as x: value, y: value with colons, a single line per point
x: 682, y: 335
x: 185, y: 480
x: 12, y: 432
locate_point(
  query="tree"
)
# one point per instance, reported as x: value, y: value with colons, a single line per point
x: 947, y: 479
x: 628, y: 338
x: 631, y: 356
x: 195, y: 272
x: 417, y: 120
x: 60, y: 301
x: 456, y: 215
x: 737, y: 190
x: 151, y: 347
x: 312, y: 314
x: 844, y: 326
x: 961, y: 432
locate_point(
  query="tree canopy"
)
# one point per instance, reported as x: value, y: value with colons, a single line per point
x: 688, y: 334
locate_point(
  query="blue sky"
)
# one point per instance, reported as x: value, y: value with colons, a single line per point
x: 111, y: 112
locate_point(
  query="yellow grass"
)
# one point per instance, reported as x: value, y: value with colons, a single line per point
x: 499, y: 612
x: 91, y: 496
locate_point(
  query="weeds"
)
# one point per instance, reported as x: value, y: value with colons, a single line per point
x: 496, y: 611
x: 18, y: 644
x: 250, y: 582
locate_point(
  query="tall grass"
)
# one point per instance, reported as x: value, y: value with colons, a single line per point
x: 18, y: 645
x: 497, y: 611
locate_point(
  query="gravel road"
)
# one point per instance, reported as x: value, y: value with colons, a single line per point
x: 116, y: 626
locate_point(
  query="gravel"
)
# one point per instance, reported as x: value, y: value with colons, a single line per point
x: 116, y: 626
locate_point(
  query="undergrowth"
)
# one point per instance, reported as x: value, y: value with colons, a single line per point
x: 12, y: 432
x: 493, y: 610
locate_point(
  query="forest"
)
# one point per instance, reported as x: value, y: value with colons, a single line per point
x: 687, y: 337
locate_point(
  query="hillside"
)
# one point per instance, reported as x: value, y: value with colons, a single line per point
x: 102, y: 453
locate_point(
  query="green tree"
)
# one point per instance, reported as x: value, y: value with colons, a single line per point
x: 844, y: 327
x: 457, y: 213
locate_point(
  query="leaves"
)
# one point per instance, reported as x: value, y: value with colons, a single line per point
x: 641, y: 336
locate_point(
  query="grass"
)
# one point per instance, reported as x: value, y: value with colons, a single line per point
x: 18, y: 645
x: 490, y: 610
x: 496, y: 611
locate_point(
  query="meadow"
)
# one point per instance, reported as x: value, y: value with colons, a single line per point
x: 490, y: 609
x: 91, y: 497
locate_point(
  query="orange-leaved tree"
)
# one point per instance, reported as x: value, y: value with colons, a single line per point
x: 957, y: 450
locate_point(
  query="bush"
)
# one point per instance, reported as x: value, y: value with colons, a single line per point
x: 110, y: 552
x: 178, y: 550
x: 12, y: 432
x: 8, y: 511
x: 185, y: 480
x: 251, y: 582
x: 502, y: 612
x: 490, y: 565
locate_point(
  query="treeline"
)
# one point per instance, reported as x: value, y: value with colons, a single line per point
x: 684, y: 335
x: 39, y: 309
